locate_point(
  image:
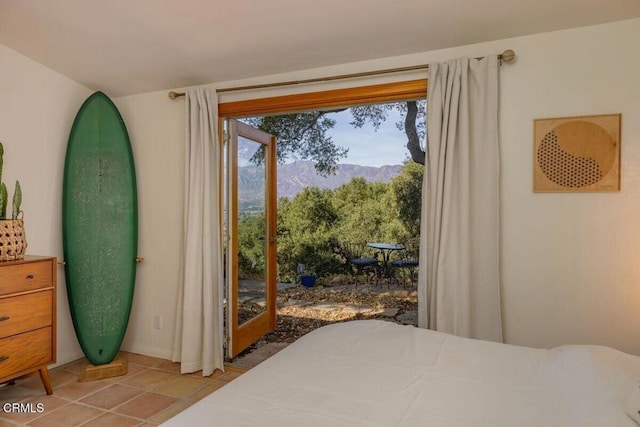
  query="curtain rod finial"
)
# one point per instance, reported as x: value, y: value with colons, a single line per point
x: 175, y: 95
x: 508, y: 56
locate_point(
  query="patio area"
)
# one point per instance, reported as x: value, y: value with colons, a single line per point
x: 300, y: 310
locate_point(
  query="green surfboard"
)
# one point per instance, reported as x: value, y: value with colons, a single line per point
x: 99, y: 227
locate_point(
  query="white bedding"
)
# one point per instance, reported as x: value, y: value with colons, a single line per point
x: 376, y: 373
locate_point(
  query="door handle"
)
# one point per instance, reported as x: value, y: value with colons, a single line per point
x: 3, y: 318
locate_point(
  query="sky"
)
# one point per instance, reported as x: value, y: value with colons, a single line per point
x: 368, y: 147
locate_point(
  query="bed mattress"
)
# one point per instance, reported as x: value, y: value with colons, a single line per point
x: 377, y: 373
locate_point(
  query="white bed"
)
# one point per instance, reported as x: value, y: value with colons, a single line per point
x: 376, y: 373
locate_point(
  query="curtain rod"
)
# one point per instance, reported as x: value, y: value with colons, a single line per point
x: 507, y: 56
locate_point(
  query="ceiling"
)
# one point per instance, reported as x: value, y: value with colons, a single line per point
x: 123, y: 47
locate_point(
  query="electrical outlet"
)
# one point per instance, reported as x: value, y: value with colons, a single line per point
x: 157, y: 321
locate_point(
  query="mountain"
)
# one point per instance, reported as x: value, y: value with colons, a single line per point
x: 294, y: 177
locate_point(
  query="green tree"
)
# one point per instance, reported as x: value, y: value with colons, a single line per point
x: 414, y: 129
x: 312, y: 225
x: 364, y: 210
x: 407, y: 191
x: 304, y: 135
x: 251, y: 230
x: 307, y: 228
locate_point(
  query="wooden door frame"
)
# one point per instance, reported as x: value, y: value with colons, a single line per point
x: 311, y: 101
x: 359, y: 95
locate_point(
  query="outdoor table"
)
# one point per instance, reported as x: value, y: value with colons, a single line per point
x: 386, y: 249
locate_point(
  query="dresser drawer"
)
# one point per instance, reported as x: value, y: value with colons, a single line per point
x: 22, y: 352
x: 25, y: 277
x: 25, y: 313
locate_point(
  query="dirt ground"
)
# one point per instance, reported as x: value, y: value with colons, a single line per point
x: 300, y: 310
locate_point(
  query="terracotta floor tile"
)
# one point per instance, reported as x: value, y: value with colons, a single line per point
x: 146, y: 405
x: 229, y: 376
x: 132, y: 370
x: 32, y: 374
x: 77, y: 366
x: 49, y: 404
x: 6, y: 423
x: 60, y: 377
x: 171, y: 411
x: 32, y: 382
x: 215, y: 375
x: 16, y: 392
x: 207, y: 389
x: 109, y: 419
x: 257, y: 356
x: 140, y: 359
x: 110, y: 397
x: 229, y: 368
x: 71, y: 415
x: 169, y: 366
x: 153, y: 390
x: 77, y: 390
x: 148, y: 379
x: 180, y: 386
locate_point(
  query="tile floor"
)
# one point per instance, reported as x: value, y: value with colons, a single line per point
x: 152, y: 392
x: 256, y: 356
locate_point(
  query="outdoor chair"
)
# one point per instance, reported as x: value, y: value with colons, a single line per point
x: 407, y: 261
x: 361, y: 260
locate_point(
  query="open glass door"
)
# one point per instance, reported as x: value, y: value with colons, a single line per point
x: 251, y: 221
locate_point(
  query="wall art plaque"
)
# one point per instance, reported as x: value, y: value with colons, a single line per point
x: 577, y: 154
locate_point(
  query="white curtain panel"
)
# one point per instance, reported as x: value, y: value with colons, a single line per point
x: 198, y: 342
x: 459, y: 279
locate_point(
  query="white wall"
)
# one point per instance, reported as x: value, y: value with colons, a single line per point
x: 569, y: 261
x: 37, y: 108
x: 156, y: 128
x: 570, y: 270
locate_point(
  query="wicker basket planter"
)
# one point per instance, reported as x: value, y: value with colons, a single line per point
x: 13, y: 241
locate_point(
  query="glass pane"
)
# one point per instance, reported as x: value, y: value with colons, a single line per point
x: 252, y: 229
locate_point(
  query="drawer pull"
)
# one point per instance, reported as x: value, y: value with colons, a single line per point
x: 3, y: 358
x: 3, y: 318
x: 30, y: 276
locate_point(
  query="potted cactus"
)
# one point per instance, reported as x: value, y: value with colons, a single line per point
x: 13, y: 241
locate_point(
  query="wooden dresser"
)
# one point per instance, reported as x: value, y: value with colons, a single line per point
x: 27, y: 318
